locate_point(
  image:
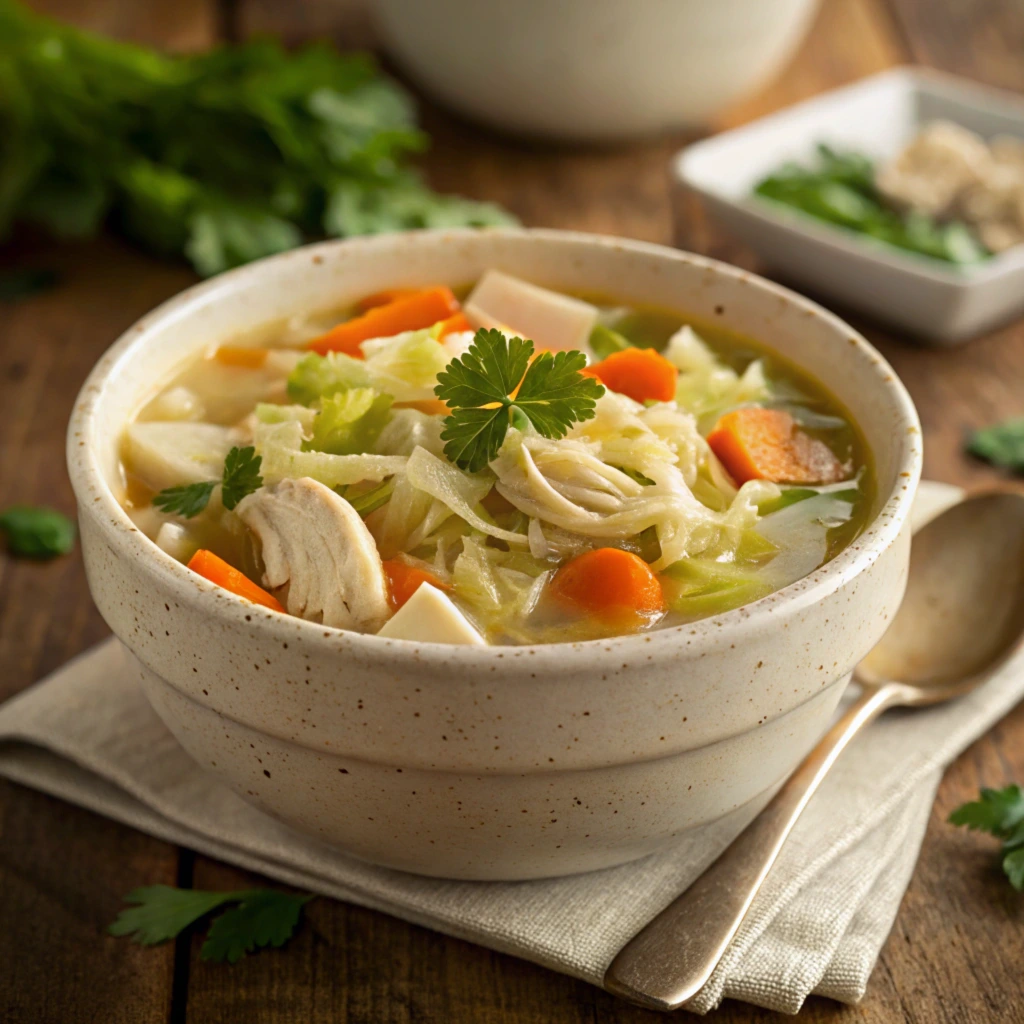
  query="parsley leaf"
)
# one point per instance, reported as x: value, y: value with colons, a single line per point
x: 162, y: 912
x: 37, y: 532
x: 550, y: 392
x: 241, y: 477
x: 20, y: 284
x: 1002, y: 444
x: 262, y: 917
x: 1000, y: 812
x: 186, y: 500
x: 221, y: 156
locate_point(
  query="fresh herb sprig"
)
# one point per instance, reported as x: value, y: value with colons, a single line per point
x: 34, y: 532
x: 258, y: 918
x: 1000, y: 813
x: 241, y: 476
x: 498, y: 381
x: 1002, y: 444
x: 223, y: 156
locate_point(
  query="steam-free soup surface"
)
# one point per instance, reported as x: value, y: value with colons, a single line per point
x: 408, y: 467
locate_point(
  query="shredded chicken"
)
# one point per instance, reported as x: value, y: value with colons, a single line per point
x: 315, y: 543
x: 948, y: 171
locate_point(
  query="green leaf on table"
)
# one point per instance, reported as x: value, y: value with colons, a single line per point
x: 162, y: 912
x: 21, y: 284
x: 35, y: 532
x: 262, y: 917
x: 1002, y: 444
x: 997, y: 811
x: 1000, y: 813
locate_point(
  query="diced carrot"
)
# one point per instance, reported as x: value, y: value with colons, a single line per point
x: 405, y: 579
x: 431, y: 406
x: 407, y: 313
x: 216, y: 570
x: 767, y: 444
x: 610, y: 584
x: 247, y: 356
x: 382, y: 298
x: 640, y: 373
x: 453, y: 325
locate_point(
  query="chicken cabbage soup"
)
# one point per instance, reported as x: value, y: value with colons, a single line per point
x: 413, y: 468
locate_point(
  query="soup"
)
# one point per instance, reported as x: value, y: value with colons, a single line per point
x: 413, y: 467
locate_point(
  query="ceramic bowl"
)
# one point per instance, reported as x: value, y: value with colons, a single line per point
x: 496, y: 762
x: 594, y: 70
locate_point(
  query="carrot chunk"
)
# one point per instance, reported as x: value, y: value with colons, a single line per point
x: 767, y: 444
x: 216, y: 570
x: 382, y: 298
x: 248, y: 357
x: 453, y: 325
x: 404, y: 580
x: 610, y: 584
x: 422, y: 308
x: 640, y: 373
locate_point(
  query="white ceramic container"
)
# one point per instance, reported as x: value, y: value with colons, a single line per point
x: 942, y: 304
x: 496, y: 762
x: 592, y: 69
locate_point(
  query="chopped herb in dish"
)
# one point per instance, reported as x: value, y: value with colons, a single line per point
x: 842, y: 188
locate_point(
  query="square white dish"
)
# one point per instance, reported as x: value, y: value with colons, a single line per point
x: 943, y: 305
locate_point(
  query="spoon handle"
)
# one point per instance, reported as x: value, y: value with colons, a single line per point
x: 671, y: 958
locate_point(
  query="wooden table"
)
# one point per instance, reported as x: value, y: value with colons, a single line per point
x: 956, y: 951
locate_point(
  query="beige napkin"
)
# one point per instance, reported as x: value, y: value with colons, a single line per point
x: 88, y: 735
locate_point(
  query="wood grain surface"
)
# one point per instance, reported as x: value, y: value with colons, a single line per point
x: 955, y: 953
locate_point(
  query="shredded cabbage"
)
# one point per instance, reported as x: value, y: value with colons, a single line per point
x: 280, y: 446
x: 406, y: 365
x: 318, y: 376
x: 708, y: 388
x: 349, y: 422
x: 408, y: 429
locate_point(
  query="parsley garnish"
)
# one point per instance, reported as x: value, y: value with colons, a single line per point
x: 1002, y: 444
x: 1000, y: 812
x: 241, y: 477
x: 37, y: 532
x: 260, y: 917
x: 552, y: 394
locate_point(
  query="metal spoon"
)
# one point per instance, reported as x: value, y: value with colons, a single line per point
x: 962, y: 616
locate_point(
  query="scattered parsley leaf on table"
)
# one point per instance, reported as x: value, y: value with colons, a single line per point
x: 37, y: 532
x: 1000, y: 813
x: 23, y: 283
x: 261, y: 917
x: 1002, y: 444
x: 241, y: 477
x: 552, y: 394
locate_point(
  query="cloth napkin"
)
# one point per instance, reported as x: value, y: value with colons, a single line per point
x: 88, y: 735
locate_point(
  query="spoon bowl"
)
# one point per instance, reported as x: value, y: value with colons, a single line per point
x: 962, y: 616
x: 963, y: 611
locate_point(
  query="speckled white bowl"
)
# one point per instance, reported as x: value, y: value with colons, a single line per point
x: 492, y: 763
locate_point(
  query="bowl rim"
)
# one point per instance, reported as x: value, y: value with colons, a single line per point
x: 97, y: 502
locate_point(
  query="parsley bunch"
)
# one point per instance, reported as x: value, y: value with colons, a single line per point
x: 1002, y: 444
x: 223, y: 156
x: 498, y: 381
x: 1000, y: 812
x: 241, y: 476
x: 259, y: 918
